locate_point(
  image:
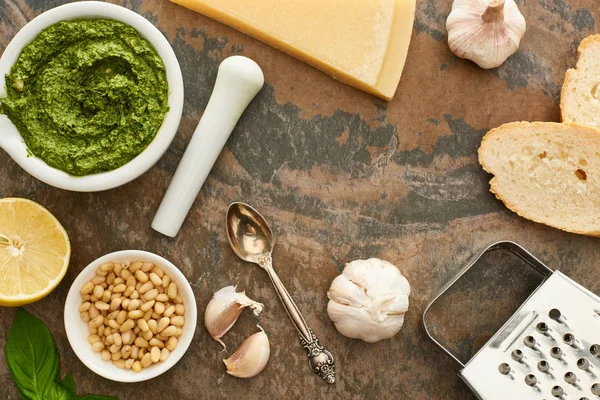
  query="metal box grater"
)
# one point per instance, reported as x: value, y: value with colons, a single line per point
x: 548, y: 349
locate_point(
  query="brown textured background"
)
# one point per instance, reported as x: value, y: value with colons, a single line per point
x: 340, y: 175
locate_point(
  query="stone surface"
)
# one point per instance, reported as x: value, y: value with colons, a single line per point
x: 340, y: 175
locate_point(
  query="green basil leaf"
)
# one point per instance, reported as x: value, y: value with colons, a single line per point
x: 68, y: 383
x: 98, y: 397
x: 57, y: 391
x: 31, y: 356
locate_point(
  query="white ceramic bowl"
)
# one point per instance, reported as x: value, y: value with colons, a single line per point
x: 12, y: 142
x: 77, y: 330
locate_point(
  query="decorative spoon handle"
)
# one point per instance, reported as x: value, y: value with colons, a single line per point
x: 320, y: 360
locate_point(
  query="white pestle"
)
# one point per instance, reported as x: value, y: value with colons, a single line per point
x: 239, y: 79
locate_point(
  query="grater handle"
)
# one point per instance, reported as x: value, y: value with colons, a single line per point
x: 514, y: 248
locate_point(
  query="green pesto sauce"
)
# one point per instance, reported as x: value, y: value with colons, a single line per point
x: 87, y: 95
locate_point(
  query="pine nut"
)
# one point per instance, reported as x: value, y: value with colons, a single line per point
x: 101, y: 329
x: 87, y: 288
x: 179, y: 309
x: 155, y: 354
x: 137, y: 366
x: 161, y: 337
x: 177, y: 321
x: 147, y: 305
x: 134, y: 305
x: 108, y: 331
x: 152, y: 324
x: 105, y: 355
x: 135, y: 314
x: 125, y: 351
x: 115, y: 304
x: 171, y: 343
x: 148, y: 315
x: 101, y: 273
x: 110, y: 339
x: 128, y: 363
x: 121, y: 317
x: 91, y: 328
x: 97, y: 280
x: 141, y: 276
x: 125, y: 274
x: 166, y: 279
x: 156, y: 343
x: 169, y: 331
x: 147, y: 335
x: 98, y: 346
x: 85, y: 306
x: 151, y: 294
x: 159, y: 307
x: 134, y: 351
x: 156, y: 316
x: 129, y: 291
x: 120, y: 288
x: 119, y: 363
x: 109, y: 266
x: 110, y: 278
x: 115, y: 356
x: 130, y: 281
x: 163, y: 298
x: 135, y: 266
x: 164, y: 354
x: 93, y: 339
x: 100, y: 305
x: 156, y: 279
x: 147, y: 266
x: 127, y: 337
x: 178, y: 299
x: 93, y: 298
x: 169, y: 311
x: 127, y: 325
x: 135, y: 295
x: 158, y: 271
x: 162, y: 324
x: 115, y: 348
x: 179, y: 332
x: 85, y: 316
x: 106, y: 296
x: 114, y: 324
x: 118, y: 281
x: 97, y: 321
x: 117, y: 339
x: 143, y: 325
x: 172, y: 290
x: 85, y: 297
x: 98, y: 291
x: 146, y: 360
x: 141, y: 342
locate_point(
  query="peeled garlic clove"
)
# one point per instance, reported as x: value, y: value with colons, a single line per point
x: 486, y: 32
x: 251, y: 357
x: 224, y: 309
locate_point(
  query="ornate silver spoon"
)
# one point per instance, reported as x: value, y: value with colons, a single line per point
x: 251, y: 239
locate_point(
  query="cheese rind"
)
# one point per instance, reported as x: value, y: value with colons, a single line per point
x: 361, y: 43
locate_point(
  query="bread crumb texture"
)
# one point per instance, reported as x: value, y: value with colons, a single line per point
x: 547, y: 172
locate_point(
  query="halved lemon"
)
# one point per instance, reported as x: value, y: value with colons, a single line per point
x: 34, y: 252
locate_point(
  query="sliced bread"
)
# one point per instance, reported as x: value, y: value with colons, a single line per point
x: 580, y: 96
x: 547, y: 172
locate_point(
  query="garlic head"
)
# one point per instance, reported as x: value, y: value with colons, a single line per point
x: 368, y: 300
x: 485, y: 32
x: 224, y: 309
x: 251, y: 357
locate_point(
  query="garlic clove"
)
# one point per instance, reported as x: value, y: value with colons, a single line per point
x: 485, y: 32
x: 224, y: 309
x: 251, y: 357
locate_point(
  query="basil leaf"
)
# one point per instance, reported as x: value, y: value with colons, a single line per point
x: 68, y: 383
x: 31, y: 356
x: 57, y: 392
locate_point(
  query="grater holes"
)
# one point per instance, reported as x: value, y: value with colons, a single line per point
x: 504, y: 369
x: 530, y: 380
x: 555, y: 314
x: 556, y: 352
x: 543, y: 366
x: 596, y: 389
x: 542, y: 328
x: 529, y: 341
x: 517, y: 355
x: 583, y: 364
x: 557, y: 391
x: 595, y: 350
x: 569, y: 339
x: 570, y: 377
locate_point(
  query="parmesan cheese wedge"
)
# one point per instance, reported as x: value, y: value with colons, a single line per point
x: 362, y: 43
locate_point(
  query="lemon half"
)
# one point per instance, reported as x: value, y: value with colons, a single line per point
x: 34, y: 252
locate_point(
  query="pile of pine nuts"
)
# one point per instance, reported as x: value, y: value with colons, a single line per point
x: 134, y: 314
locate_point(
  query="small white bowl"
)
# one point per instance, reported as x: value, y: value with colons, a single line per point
x: 12, y: 142
x: 77, y: 330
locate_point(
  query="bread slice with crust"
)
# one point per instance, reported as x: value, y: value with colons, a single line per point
x: 580, y: 95
x: 547, y: 172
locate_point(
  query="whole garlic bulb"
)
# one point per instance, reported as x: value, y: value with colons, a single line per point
x: 485, y: 32
x: 368, y: 300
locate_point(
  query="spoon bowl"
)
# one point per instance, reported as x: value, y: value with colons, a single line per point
x: 248, y: 233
